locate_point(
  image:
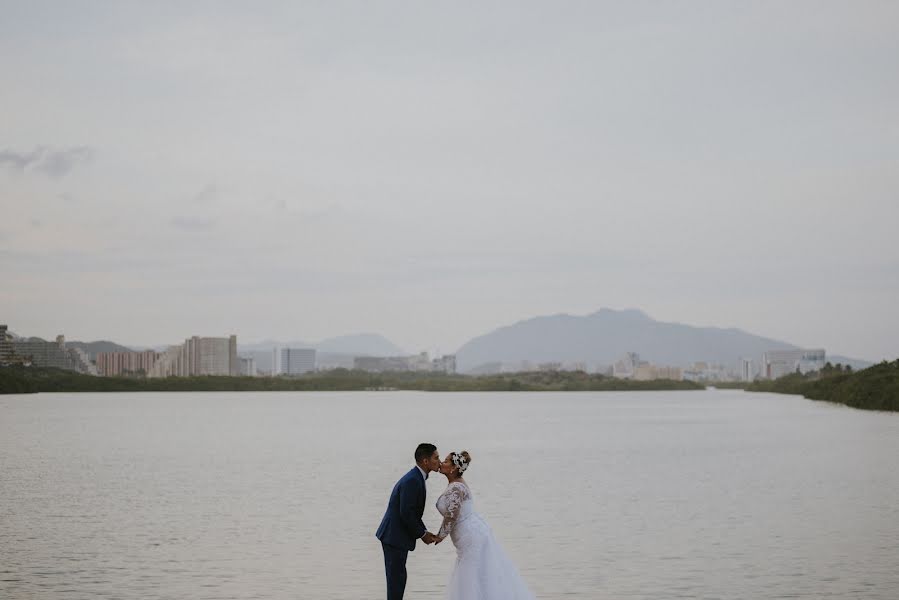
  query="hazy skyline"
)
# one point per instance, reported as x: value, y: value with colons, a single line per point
x: 431, y: 171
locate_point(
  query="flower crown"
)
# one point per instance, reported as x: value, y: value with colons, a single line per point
x: 460, y: 462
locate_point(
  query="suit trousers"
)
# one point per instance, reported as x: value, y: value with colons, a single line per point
x: 395, y: 568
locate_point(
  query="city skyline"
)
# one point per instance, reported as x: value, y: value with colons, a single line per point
x: 376, y: 345
x: 383, y: 341
x: 433, y: 172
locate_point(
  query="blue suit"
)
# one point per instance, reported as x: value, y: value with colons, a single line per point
x: 401, y: 527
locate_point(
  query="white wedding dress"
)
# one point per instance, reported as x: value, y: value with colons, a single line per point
x: 482, y: 571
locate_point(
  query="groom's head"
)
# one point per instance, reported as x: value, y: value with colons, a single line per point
x: 427, y: 458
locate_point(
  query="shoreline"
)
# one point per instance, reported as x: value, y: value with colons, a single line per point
x: 37, y: 380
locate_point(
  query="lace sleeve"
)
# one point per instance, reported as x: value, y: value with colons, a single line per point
x: 454, y: 496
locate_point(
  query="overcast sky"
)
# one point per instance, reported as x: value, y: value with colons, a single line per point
x: 433, y: 170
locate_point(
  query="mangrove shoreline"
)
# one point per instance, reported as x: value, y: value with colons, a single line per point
x: 23, y: 380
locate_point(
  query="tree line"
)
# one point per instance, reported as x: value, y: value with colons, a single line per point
x: 874, y: 388
x: 18, y: 380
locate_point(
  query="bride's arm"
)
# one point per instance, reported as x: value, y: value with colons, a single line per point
x: 453, y: 504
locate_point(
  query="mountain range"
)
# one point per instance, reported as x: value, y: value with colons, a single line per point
x: 602, y: 337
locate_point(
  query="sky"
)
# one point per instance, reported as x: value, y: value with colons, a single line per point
x: 433, y: 170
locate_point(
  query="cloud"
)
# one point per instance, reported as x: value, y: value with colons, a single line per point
x: 19, y: 161
x: 52, y: 162
x: 59, y: 163
x: 193, y: 223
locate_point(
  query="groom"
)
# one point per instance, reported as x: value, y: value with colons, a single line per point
x: 402, y: 523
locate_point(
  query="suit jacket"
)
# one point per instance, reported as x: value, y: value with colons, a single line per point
x: 402, y: 524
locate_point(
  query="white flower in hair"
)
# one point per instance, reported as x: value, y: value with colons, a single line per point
x: 460, y: 462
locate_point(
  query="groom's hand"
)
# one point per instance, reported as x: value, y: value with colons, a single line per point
x: 428, y: 538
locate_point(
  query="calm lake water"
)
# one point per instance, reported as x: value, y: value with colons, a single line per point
x: 715, y: 494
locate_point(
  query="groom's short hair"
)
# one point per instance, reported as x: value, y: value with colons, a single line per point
x: 424, y: 451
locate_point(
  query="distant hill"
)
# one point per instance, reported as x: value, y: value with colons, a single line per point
x: 604, y: 336
x: 91, y: 348
x: 94, y: 348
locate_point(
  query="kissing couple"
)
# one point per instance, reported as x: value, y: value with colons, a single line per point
x: 482, y: 570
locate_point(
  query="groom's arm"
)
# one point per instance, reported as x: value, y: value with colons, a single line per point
x: 410, y: 500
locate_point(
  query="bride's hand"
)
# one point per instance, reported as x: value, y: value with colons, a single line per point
x: 439, y: 539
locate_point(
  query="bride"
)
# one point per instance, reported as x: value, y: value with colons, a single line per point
x: 482, y: 571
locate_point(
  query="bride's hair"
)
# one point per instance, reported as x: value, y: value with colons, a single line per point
x: 465, y: 456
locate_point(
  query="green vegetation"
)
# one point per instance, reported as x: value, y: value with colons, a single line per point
x: 16, y: 380
x: 874, y: 388
x: 21, y: 380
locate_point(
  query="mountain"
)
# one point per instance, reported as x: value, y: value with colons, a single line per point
x: 93, y: 348
x: 604, y: 336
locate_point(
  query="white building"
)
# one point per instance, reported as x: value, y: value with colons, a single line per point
x: 417, y: 362
x: 213, y: 355
x: 746, y: 372
x: 199, y: 356
x: 40, y: 353
x: 777, y: 363
x: 247, y: 366
x: 296, y: 361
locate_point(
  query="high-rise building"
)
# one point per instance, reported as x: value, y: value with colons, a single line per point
x: 247, y: 366
x: 126, y: 363
x: 296, y: 361
x: 199, y: 356
x: 214, y: 356
x: 41, y: 353
x: 746, y: 373
x: 276, y: 361
x: 6, y: 351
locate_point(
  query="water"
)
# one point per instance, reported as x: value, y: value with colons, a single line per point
x: 717, y: 494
